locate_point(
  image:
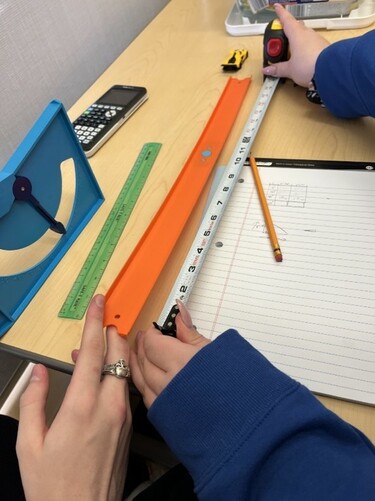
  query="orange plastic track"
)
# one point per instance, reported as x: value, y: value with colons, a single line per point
x: 131, y: 288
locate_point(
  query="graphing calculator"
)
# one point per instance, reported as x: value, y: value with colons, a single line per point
x: 101, y: 120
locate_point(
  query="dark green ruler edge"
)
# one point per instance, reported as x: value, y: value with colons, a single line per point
x: 96, y: 262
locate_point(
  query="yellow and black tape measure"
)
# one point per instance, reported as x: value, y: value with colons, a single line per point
x: 275, y: 43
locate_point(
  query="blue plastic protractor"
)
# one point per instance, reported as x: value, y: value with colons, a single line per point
x: 48, y: 193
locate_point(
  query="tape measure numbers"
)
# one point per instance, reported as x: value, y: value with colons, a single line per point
x: 88, y: 279
x: 211, y: 220
x: 131, y: 288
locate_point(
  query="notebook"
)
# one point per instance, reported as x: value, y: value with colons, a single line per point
x: 312, y: 315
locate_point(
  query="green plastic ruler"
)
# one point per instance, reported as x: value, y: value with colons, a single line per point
x: 88, y: 279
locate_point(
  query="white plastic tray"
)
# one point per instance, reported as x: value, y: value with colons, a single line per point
x: 238, y: 25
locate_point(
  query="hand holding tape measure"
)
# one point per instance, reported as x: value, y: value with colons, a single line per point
x: 304, y: 43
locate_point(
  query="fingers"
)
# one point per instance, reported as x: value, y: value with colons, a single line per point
x: 137, y: 375
x: 154, y: 347
x: 139, y: 378
x: 305, y: 45
x: 74, y: 355
x: 117, y: 348
x: 32, y: 423
x: 189, y: 335
x: 186, y: 332
x: 184, y: 314
x: 156, y: 359
x: 90, y: 358
x: 120, y: 466
x: 89, y: 363
x: 280, y: 70
x: 286, y: 19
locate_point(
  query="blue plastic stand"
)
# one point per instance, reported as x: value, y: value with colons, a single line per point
x: 50, y: 142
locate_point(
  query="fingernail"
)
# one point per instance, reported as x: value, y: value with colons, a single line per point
x: 269, y: 70
x: 99, y: 299
x: 74, y: 355
x: 185, y: 315
x: 36, y: 373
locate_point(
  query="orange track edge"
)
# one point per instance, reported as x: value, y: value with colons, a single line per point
x: 132, y: 286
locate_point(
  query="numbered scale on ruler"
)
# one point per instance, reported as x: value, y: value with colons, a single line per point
x: 206, y: 232
x: 88, y: 279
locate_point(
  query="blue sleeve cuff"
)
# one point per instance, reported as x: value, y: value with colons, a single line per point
x: 345, y: 76
x: 193, y: 413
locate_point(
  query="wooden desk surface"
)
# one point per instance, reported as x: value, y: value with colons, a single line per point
x: 178, y: 58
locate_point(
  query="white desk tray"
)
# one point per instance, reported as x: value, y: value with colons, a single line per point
x: 237, y: 24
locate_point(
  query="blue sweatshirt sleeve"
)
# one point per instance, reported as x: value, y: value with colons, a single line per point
x: 345, y: 76
x: 246, y: 431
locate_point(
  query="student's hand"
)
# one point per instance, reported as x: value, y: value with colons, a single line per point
x: 83, y: 454
x: 156, y: 358
x: 305, y: 45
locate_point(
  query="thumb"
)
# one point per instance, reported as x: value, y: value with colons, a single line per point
x: 74, y: 355
x: 32, y: 423
x: 277, y: 70
x: 186, y: 332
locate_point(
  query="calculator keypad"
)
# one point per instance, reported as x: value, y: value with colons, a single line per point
x: 92, y: 121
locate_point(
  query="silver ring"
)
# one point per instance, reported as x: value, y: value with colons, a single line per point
x: 119, y: 369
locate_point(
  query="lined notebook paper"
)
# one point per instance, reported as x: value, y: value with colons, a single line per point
x: 313, y: 315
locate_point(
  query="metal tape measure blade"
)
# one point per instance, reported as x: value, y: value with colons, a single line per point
x: 211, y: 220
x: 92, y: 270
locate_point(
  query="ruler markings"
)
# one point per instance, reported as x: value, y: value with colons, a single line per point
x: 130, y: 290
x: 93, y: 268
x: 195, y: 258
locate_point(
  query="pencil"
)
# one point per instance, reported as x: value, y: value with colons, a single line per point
x: 266, y: 212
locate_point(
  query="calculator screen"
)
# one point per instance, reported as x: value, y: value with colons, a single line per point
x: 118, y: 96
